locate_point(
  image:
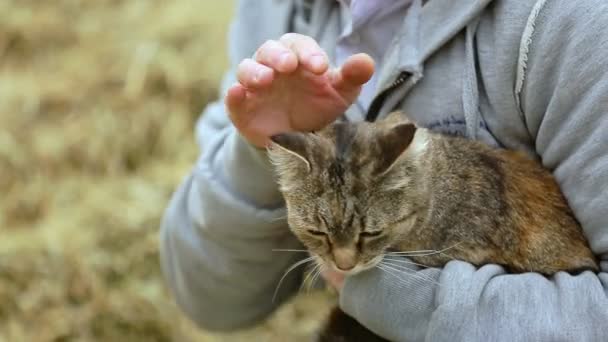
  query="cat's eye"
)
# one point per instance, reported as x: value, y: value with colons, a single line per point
x: 316, y: 232
x: 370, y: 234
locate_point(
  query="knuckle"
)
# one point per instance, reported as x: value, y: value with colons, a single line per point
x: 266, y: 45
x: 265, y: 49
x: 289, y: 36
x: 243, y: 70
x: 309, y: 40
x: 242, y: 66
x: 248, y: 62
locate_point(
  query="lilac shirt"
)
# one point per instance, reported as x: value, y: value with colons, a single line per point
x: 370, y: 26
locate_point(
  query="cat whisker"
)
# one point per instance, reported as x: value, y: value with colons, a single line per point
x: 279, y: 219
x: 308, y: 277
x: 403, y: 276
x: 409, y: 272
x: 406, y: 269
x: 290, y: 250
x: 404, y: 261
x: 423, y: 251
x: 383, y: 269
x: 293, y: 267
x: 316, y: 276
x: 395, y: 273
x: 449, y: 256
x: 426, y: 252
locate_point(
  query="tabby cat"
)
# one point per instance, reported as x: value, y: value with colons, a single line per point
x: 355, y: 191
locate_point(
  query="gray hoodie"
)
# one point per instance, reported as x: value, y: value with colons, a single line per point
x: 520, y: 74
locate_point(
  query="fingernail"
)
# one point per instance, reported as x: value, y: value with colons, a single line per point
x: 259, y: 74
x: 284, y: 59
x: 317, y: 62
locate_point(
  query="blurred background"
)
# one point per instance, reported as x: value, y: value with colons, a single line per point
x: 98, y: 101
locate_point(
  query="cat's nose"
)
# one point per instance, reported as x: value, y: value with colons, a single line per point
x: 345, y: 258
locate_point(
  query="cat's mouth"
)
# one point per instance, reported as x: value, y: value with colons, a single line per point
x: 360, y: 267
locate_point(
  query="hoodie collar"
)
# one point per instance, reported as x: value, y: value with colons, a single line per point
x: 425, y: 29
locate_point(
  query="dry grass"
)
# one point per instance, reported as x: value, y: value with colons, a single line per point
x: 97, y: 105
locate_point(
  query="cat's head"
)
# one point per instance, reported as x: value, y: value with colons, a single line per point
x: 349, y: 189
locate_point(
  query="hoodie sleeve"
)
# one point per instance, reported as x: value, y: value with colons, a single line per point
x: 564, y: 104
x: 222, y: 224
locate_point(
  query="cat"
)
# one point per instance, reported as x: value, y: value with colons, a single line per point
x: 355, y: 191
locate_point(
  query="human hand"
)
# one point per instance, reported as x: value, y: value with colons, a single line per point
x: 288, y: 86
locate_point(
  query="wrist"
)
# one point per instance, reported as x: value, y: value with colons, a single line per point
x: 257, y: 141
x: 247, y: 169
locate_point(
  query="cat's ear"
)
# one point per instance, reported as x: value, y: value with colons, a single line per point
x: 393, y: 142
x: 395, y: 117
x: 287, y: 148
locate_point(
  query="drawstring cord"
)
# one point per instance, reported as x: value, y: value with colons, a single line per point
x: 470, y: 90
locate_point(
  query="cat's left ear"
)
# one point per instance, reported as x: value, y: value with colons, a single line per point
x: 288, y: 147
x: 393, y: 143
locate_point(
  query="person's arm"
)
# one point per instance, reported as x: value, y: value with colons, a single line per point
x: 564, y: 102
x: 227, y: 216
x: 221, y: 227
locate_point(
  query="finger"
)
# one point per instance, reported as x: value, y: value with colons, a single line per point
x: 252, y: 74
x: 235, y: 100
x: 309, y: 53
x: 356, y: 71
x: 236, y: 103
x: 277, y: 56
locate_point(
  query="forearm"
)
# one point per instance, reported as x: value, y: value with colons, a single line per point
x: 220, y: 229
x: 482, y: 304
x: 487, y: 304
x: 217, y: 247
x: 237, y: 169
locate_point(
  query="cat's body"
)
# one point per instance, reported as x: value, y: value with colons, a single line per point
x: 493, y: 206
x: 357, y: 190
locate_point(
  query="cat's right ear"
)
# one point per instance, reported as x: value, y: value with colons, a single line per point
x: 393, y: 144
x: 287, y: 147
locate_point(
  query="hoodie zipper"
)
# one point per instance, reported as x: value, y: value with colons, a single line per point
x: 376, y: 105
